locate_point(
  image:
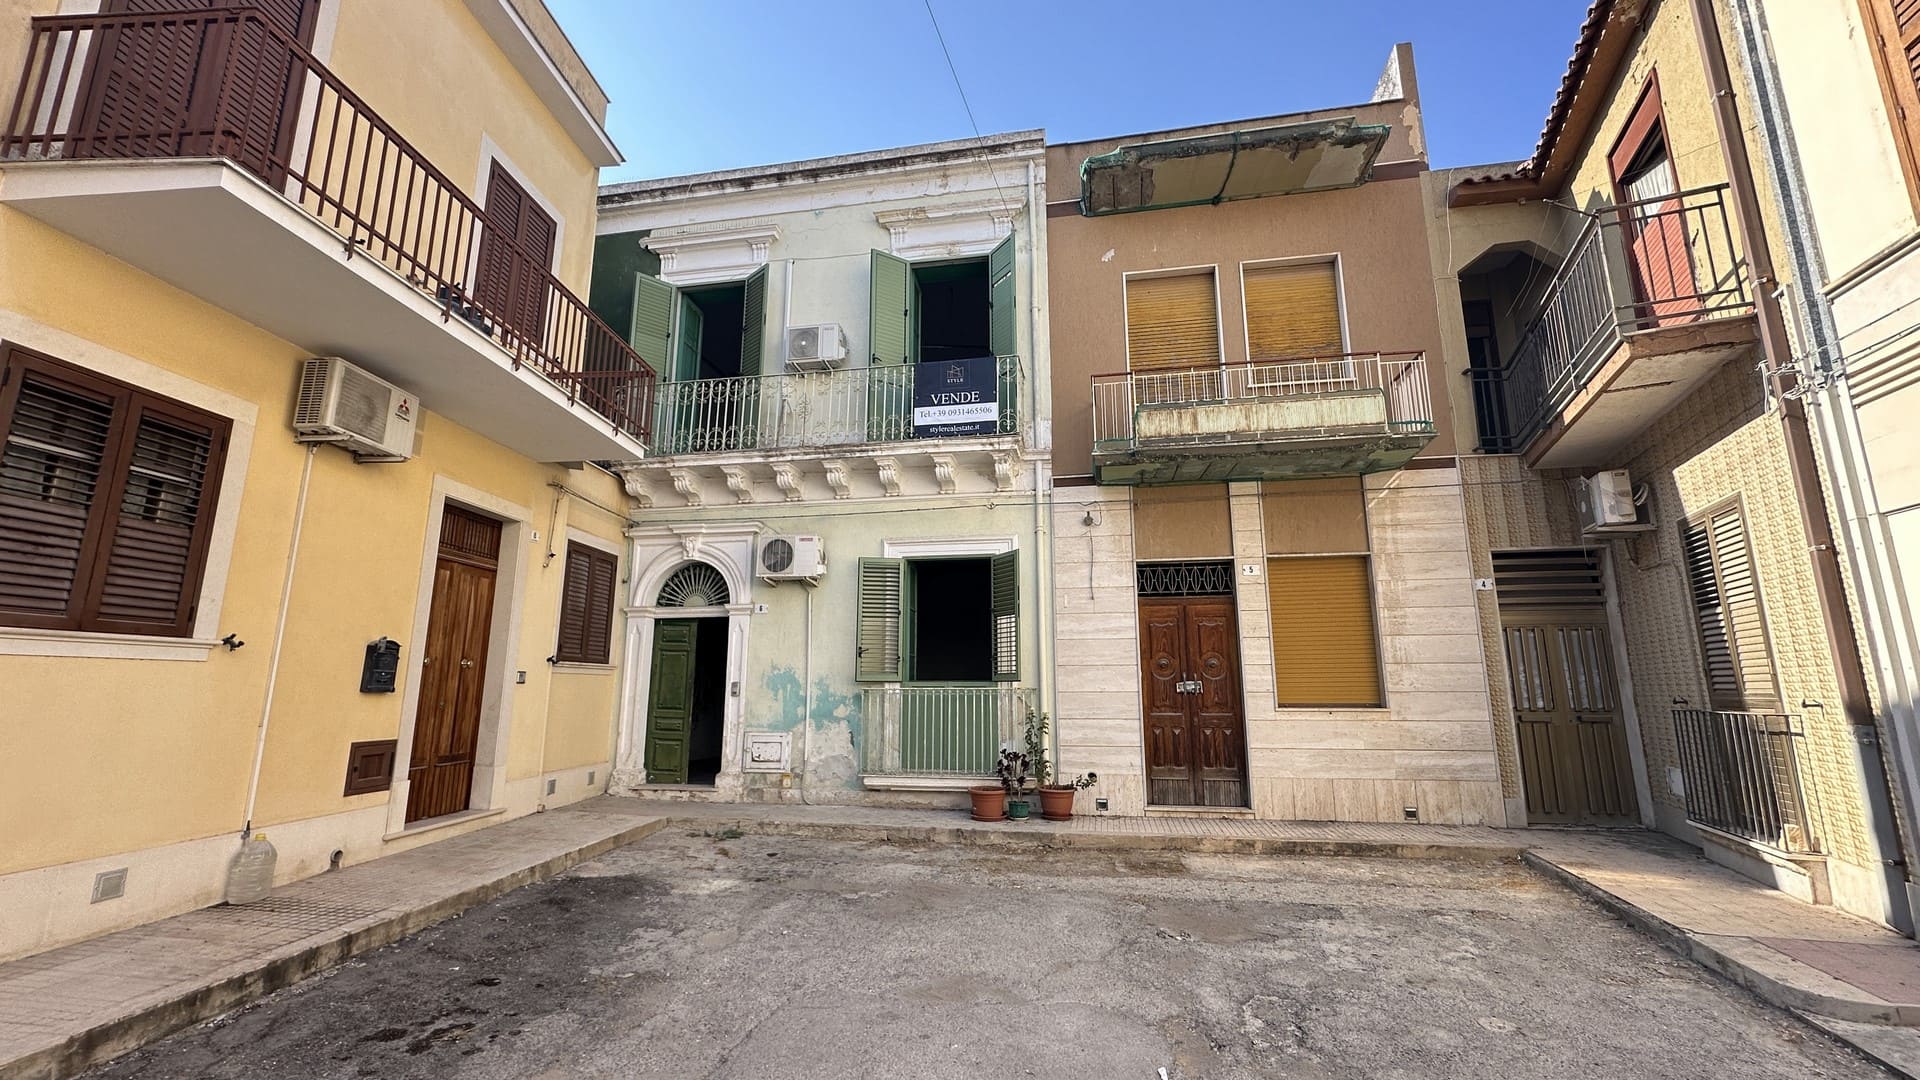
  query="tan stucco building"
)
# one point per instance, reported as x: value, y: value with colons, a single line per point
x: 192, y: 205
x: 1262, y: 586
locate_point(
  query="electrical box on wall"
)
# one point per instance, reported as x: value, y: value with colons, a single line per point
x: 768, y: 751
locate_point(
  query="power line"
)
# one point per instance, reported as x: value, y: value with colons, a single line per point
x: 979, y: 140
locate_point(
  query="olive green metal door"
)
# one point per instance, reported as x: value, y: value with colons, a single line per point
x: 670, y: 700
x: 1572, y: 734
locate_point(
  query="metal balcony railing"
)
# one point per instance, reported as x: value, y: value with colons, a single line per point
x: 1399, y: 380
x: 226, y: 83
x: 1636, y: 266
x: 940, y: 731
x: 1743, y: 776
x: 805, y: 410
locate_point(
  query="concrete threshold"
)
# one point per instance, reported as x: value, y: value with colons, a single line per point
x: 69, y: 1008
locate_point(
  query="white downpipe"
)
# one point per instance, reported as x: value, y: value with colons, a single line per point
x: 806, y: 698
x: 1042, y: 493
x: 279, y: 638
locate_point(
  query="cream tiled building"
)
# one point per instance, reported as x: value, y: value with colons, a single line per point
x: 207, y: 626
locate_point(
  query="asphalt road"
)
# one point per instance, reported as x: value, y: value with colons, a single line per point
x: 702, y: 956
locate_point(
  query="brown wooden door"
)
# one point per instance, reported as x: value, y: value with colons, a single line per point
x: 453, y: 670
x: 1574, y: 761
x: 187, y: 83
x: 1194, y: 723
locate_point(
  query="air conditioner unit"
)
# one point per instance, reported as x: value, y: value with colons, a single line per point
x: 365, y: 414
x: 791, y: 558
x: 816, y: 348
x: 1608, y: 502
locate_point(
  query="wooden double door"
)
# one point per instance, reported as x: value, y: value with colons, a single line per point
x: 453, y: 672
x: 1574, y: 762
x: 1193, y: 713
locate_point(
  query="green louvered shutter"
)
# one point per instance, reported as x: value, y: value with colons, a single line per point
x: 753, y: 323
x: 1006, y: 616
x: 878, y: 655
x: 889, y: 322
x: 653, y: 304
x: 1003, y: 311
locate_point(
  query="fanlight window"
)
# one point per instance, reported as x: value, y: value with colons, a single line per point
x: 694, y: 585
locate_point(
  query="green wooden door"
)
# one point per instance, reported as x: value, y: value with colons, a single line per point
x: 670, y: 700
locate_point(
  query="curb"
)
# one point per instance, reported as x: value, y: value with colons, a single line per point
x: 1004, y: 839
x: 123, y: 1034
x: 1694, y: 947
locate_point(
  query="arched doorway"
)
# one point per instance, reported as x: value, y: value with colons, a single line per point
x: 687, y: 678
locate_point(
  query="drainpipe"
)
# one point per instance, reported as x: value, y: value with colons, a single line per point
x: 1042, y: 488
x: 279, y: 637
x: 1836, y: 619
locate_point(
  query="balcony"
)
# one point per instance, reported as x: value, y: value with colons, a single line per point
x: 209, y: 149
x: 938, y: 736
x: 828, y: 435
x: 1742, y: 774
x: 1342, y: 415
x: 1651, y: 300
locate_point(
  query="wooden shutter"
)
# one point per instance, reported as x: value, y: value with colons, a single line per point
x: 753, y: 322
x: 880, y: 623
x: 1003, y: 304
x: 1293, y: 311
x: 1324, y: 651
x: 1734, y: 649
x: 157, y: 539
x: 1895, y: 27
x: 516, y: 250
x: 890, y: 310
x: 1006, y: 616
x: 653, y: 304
x: 1172, y: 322
x: 586, y: 606
x: 106, y: 501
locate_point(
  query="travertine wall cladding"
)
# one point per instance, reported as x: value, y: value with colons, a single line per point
x: 1097, y: 643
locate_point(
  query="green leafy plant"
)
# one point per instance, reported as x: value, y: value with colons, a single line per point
x: 1013, y: 770
x: 1085, y: 780
x: 1036, y: 747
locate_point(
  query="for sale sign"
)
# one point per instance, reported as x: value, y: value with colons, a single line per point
x: 956, y: 397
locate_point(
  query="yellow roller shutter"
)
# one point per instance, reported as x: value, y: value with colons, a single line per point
x: 1323, y: 644
x: 1292, y: 311
x: 1172, y: 322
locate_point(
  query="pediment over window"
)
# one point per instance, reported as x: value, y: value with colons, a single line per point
x: 698, y: 258
x: 948, y: 230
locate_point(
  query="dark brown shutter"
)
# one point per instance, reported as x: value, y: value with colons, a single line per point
x: 56, y: 433
x: 1727, y: 609
x: 106, y: 501
x: 157, y: 540
x: 516, y: 250
x: 586, y: 606
x: 1895, y: 27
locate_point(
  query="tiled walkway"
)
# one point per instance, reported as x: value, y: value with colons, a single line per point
x: 62, y: 1009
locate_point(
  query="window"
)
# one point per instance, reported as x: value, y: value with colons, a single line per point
x: 106, y: 501
x: 1323, y: 640
x: 1727, y: 612
x: 1172, y: 322
x: 516, y: 254
x: 939, y: 619
x: 950, y: 310
x: 586, y: 606
x: 1894, y: 27
x: 1293, y: 311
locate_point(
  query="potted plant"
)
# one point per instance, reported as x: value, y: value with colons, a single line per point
x: 989, y: 801
x: 1014, y: 770
x: 1056, y: 800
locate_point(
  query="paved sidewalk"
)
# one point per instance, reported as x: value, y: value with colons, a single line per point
x: 64, y: 1009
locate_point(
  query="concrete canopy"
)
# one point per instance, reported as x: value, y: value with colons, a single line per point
x: 1315, y: 156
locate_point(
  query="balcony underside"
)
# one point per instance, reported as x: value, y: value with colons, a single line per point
x: 1646, y: 375
x: 210, y: 229
x: 1291, y: 457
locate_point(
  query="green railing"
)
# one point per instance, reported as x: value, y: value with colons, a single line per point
x: 940, y: 731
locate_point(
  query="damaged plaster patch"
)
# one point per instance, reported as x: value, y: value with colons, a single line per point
x: 1108, y: 257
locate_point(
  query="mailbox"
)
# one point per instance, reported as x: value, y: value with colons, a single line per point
x: 380, y: 673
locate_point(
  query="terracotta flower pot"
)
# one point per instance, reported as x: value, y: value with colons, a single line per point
x: 989, y: 803
x: 1056, y: 802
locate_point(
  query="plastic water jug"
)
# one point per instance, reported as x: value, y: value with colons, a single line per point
x: 250, y: 874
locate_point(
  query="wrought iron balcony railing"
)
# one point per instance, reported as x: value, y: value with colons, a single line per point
x: 1742, y: 772
x: 1638, y: 266
x: 1386, y: 392
x: 805, y: 410
x: 226, y: 83
x: 940, y: 731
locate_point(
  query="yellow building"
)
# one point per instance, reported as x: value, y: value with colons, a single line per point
x: 206, y: 623
x: 1646, y: 496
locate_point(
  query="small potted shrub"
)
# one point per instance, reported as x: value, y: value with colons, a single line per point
x: 1056, y: 800
x: 1013, y: 770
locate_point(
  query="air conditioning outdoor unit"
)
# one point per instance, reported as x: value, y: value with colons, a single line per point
x: 791, y: 558
x: 367, y: 415
x: 1608, y: 502
x: 816, y: 348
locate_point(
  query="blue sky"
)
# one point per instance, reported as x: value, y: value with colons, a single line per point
x: 706, y: 84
